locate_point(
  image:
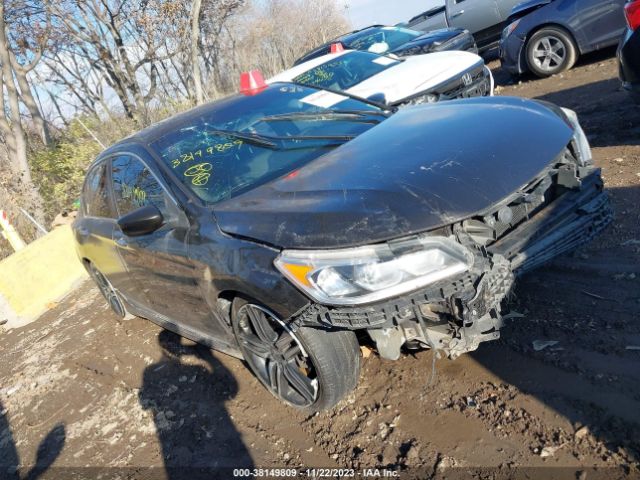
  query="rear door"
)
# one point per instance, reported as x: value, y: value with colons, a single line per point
x: 601, y: 22
x: 481, y: 17
x: 159, y: 261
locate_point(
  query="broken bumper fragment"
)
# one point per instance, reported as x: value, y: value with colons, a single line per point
x: 556, y: 213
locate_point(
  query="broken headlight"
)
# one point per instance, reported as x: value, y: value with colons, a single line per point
x: 354, y: 276
x: 581, y: 143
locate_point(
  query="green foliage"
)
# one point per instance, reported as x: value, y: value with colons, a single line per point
x: 59, y: 170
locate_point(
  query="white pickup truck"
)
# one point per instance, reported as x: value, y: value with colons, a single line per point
x: 485, y: 19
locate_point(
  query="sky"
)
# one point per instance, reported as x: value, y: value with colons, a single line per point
x: 388, y: 12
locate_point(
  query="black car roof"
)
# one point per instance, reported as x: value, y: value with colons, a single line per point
x: 152, y: 132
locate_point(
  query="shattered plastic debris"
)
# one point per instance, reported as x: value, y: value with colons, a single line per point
x: 366, y: 351
x: 539, y: 345
x: 581, y: 433
x: 549, y: 451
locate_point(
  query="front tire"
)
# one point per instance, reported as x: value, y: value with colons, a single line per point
x: 550, y: 51
x: 310, y: 369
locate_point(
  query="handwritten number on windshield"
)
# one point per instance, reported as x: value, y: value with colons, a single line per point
x: 199, y: 174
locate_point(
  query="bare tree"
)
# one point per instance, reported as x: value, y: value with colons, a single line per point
x: 195, y: 57
x: 11, y: 124
x: 274, y: 33
x: 124, y: 41
x: 27, y: 34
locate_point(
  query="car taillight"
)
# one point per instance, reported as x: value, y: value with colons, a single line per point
x: 632, y: 11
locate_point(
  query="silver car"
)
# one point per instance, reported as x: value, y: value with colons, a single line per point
x: 485, y: 19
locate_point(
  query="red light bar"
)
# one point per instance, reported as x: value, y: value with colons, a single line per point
x: 632, y: 12
x: 337, y: 48
x: 252, y: 83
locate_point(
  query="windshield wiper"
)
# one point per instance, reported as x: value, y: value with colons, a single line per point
x: 330, y: 115
x: 275, y: 142
x: 252, y: 138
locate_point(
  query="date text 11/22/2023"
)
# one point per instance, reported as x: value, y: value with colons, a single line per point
x: 315, y: 473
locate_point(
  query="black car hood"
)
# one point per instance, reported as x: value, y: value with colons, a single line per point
x: 431, y: 39
x: 423, y: 168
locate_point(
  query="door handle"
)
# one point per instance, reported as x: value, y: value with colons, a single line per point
x: 83, y: 231
x: 457, y: 14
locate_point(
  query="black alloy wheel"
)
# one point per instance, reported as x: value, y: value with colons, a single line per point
x: 109, y: 293
x: 308, y: 369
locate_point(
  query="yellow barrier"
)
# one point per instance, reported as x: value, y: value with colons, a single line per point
x: 38, y: 275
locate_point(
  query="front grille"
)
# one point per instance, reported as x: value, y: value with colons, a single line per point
x: 496, y: 224
x: 565, y: 208
x: 562, y: 177
x: 592, y: 219
x: 477, y: 84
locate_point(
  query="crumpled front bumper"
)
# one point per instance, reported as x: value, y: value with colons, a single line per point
x: 458, y: 314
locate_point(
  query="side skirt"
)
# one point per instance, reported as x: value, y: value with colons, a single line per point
x: 186, y: 332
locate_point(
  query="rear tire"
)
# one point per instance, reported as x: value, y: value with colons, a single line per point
x: 109, y: 293
x: 549, y: 51
x: 324, y: 365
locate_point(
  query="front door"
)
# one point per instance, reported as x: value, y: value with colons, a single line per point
x: 158, y: 262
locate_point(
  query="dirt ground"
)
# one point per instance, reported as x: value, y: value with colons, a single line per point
x: 560, y: 389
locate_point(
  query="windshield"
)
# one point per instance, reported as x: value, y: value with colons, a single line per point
x: 394, y: 37
x: 247, y: 141
x: 346, y: 71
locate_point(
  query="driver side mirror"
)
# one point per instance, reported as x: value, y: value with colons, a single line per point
x: 141, y: 221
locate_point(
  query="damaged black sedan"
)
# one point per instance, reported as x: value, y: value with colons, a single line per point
x: 286, y: 225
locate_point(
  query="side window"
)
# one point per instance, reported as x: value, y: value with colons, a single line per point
x: 134, y: 186
x: 95, y: 195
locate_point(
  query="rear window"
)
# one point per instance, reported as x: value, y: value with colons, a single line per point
x: 95, y: 195
x: 346, y: 71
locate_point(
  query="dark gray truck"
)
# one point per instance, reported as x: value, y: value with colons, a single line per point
x: 485, y: 19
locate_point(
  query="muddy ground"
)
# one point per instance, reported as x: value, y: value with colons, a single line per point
x: 79, y: 389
